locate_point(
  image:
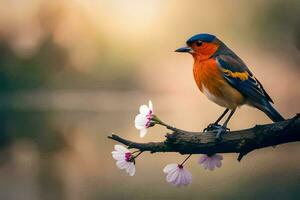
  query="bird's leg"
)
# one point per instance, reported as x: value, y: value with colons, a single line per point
x: 223, y: 129
x: 216, y: 125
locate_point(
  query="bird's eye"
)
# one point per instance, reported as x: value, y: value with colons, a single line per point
x: 198, y: 43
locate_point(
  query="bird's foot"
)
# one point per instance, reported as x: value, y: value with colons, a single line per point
x: 212, y: 127
x: 220, y: 131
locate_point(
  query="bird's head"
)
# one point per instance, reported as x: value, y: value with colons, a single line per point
x: 201, y: 46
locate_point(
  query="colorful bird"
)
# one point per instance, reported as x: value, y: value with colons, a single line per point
x: 225, y: 79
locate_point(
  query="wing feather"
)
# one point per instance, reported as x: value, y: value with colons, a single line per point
x: 241, y: 78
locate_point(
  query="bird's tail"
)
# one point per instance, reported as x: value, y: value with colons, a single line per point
x: 272, y: 113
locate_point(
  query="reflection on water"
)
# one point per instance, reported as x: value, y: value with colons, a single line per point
x: 65, y: 155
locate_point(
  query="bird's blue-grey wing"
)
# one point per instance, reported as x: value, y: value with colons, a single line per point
x: 240, y: 77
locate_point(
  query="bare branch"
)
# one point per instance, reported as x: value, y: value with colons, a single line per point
x: 241, y: 141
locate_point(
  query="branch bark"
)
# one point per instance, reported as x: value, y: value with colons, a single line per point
x: 241, y: 141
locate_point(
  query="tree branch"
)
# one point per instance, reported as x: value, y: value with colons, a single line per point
x: 241, y: 141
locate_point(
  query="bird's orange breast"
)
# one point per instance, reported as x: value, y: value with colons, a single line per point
x: 210, y: 81
x: 207, y: 74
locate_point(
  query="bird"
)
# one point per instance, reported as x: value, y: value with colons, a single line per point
x: 225, y: 79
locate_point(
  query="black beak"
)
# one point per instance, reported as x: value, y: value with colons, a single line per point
x: 185, y: 50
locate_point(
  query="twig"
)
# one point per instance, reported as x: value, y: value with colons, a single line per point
x: 241, y: 141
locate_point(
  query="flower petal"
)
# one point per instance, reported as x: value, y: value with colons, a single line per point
x: 202, y: 159
x: 184, y: 178
x: 170, y: 167
x: 178, y: 180
x: 172, y: 175
x: 144, y: 110
x: 121, y: 148
x: 118, y: 155
x: 122, y: 164
x: 188, y: 177
x: 206, y: 165
x: 143, y: 132
x: 177, y: 176
x: 130, y: 169
x: 211, y: 162
x: 211, y: 165
x: 140, y: 121
x: 218, y: 163
x: 138, y: 126
x: 218, y: 156
x: 150, y: 106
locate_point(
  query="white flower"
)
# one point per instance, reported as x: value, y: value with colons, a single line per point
x: 143, y: 119
x: 211, y: 162
x: 124, y: 159
x: 177, y: 175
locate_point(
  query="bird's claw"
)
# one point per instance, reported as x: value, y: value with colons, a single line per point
x: 212, y: 127
x: 220, y: 131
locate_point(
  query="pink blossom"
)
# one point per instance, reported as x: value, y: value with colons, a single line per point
x: 211, y: 162
x: 124, y: 159
x: 177, y: 175
x: 143, y: 119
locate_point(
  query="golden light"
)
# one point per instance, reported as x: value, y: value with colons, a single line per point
x: 131, y: 18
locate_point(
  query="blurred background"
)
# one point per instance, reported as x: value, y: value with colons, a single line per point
x: 74, y: 71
